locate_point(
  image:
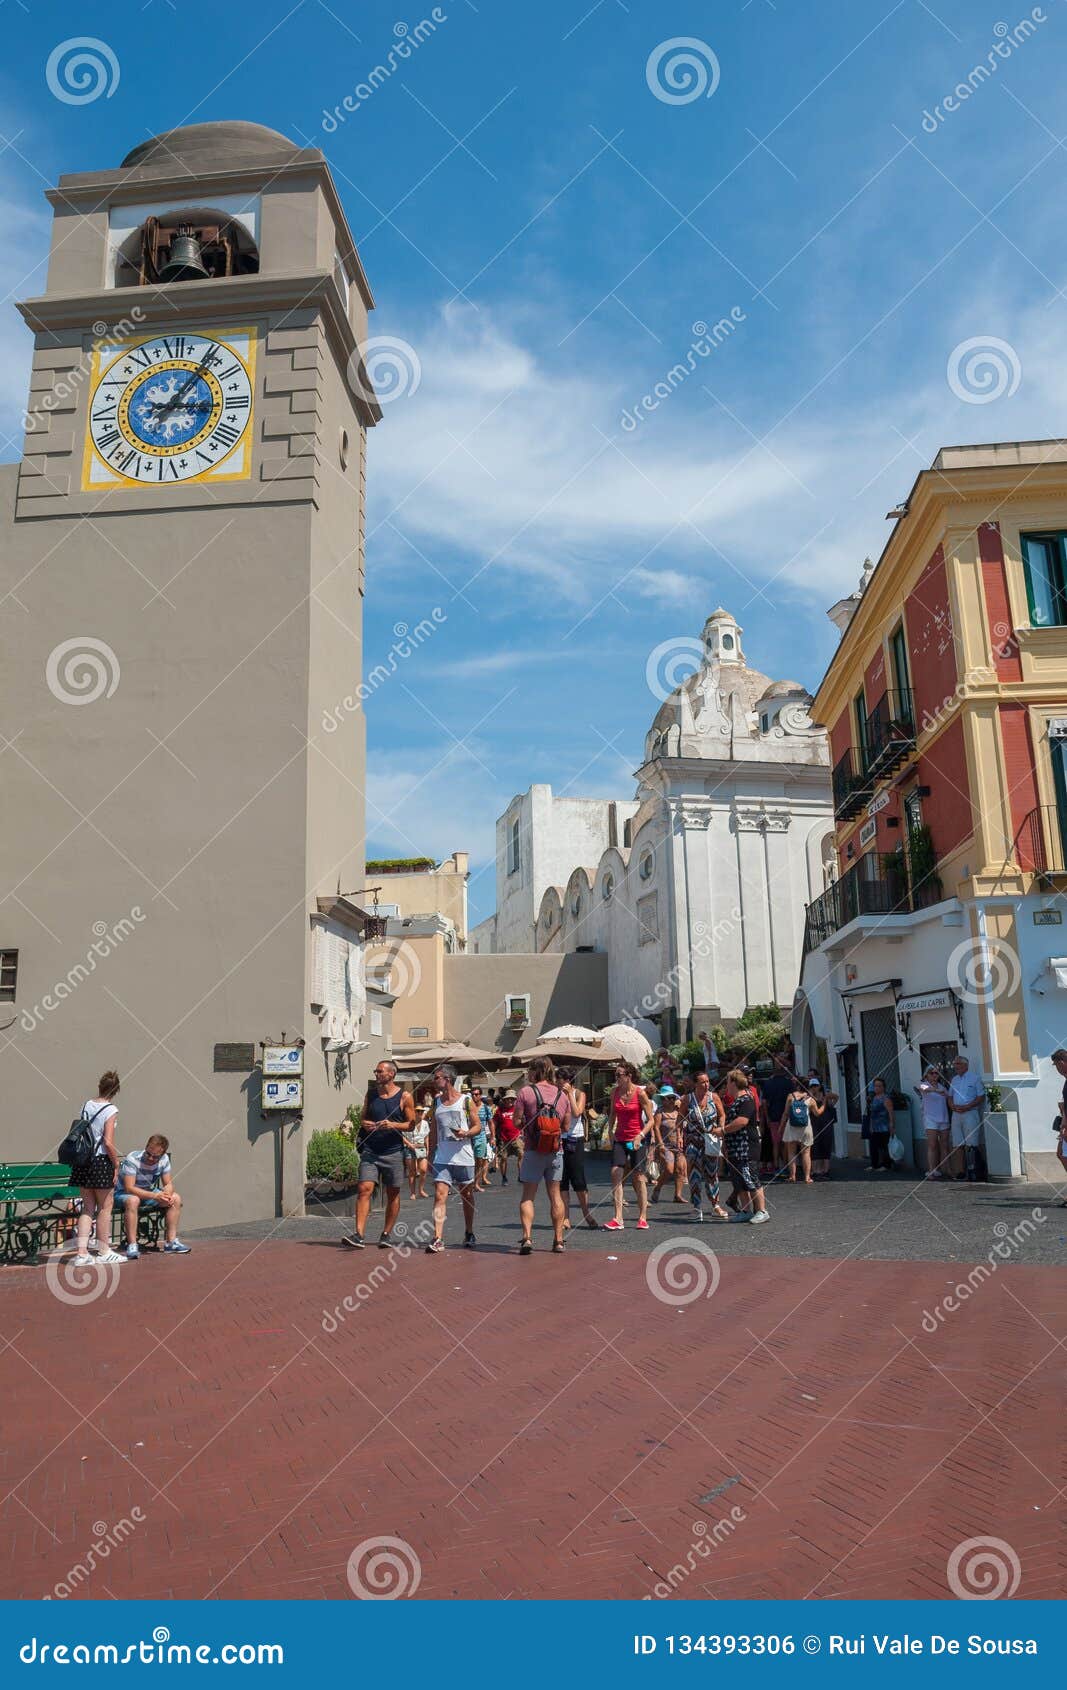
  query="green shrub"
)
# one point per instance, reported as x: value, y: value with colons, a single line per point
x: 331, y: 1156
x: 353, y: 1121
x: 400, y: 865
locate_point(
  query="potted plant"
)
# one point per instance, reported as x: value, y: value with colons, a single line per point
x: 1000, y: 1136
x: 332, y: 1163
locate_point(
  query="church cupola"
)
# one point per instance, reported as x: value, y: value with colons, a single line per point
x: 722, y: 639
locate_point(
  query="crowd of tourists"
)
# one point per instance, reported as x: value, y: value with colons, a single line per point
x: 691, y: 1134
x: 710, y: 1141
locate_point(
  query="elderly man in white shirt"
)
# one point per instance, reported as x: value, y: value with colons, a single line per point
x: 966, y: 1094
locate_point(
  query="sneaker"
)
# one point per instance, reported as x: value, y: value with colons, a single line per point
x: 613, y: 1226
x: 108, y: 1258
x: 642, y: 1226
x: 698, y: 1214
x: 132, y: 1252
x: 469, y: 1241
x: 434, y: 1247
x: 759, y: 1217
x: 354, y: 1241
x: 176, y: 1248
x: 385, y: 1242
x: 81, y: 1261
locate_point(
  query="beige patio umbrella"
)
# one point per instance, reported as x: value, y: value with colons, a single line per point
x: 422, y: 1059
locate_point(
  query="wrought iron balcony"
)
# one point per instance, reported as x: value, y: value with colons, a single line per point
x: 890, y: 732
x: 873, y: 886
x: 1040, y: 842
x: 851, y: 785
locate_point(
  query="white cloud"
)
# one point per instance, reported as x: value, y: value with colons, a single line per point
x: 523, y: 471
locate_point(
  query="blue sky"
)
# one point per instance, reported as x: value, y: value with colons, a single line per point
x: 544, y: 230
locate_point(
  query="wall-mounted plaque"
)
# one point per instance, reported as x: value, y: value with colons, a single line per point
x: 234, y: 1059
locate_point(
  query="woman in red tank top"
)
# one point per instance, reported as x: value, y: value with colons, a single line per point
x: 630, y: 1125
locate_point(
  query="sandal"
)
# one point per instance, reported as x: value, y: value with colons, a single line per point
x: 592, y: 1223
x: 526, y: 1248
x: 558, y: 1246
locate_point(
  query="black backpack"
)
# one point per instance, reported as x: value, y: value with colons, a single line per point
x: 79, y: 1146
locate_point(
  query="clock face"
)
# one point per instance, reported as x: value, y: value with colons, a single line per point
x: 170, y: 408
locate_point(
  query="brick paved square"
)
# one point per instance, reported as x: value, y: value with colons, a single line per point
x: 222, y: 1426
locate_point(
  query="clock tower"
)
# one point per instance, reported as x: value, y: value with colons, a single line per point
x: 182, y: 756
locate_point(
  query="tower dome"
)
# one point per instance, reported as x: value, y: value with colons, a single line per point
x: 201, y: 148
x: 722, y: 638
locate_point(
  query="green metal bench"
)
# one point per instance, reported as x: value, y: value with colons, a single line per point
x: 37, y: 1211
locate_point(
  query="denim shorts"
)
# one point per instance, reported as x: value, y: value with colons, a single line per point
x: 535, y: 1166
x: 455, y: 1174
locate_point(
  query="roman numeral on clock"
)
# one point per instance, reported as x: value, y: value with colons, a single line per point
x: 229, y: 436
x: 107, y: 439
x: 163, y: 465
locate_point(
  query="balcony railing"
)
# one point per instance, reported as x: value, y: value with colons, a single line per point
x: 873, y: 886
x: 890, y: 732
x: 1039, y: 843
x: 852, y: 786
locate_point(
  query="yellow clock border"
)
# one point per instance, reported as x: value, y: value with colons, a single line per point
x: 122, y: 484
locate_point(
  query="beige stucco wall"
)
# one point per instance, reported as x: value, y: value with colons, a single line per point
x: 570, y: 988
x: 201, y: 805
x: 415, y: 970
x: 437, y: 891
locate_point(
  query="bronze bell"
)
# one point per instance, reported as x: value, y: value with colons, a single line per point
x: 184, y: 263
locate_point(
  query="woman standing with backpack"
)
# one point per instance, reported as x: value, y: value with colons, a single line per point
x: 798, y: 1133
x: 95, y: 1173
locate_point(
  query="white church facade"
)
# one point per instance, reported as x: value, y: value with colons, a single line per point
x: 695, y: 887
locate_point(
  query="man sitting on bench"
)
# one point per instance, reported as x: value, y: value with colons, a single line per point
x: 145, y: 1183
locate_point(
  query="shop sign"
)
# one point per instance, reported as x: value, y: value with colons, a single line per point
x: 879, y: 802
x: 868, y: 832
x: 924, y: 1000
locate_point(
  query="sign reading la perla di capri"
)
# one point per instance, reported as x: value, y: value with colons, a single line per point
x: 924, y: 1000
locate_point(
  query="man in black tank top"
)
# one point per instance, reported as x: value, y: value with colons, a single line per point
x: 387, y: 1110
